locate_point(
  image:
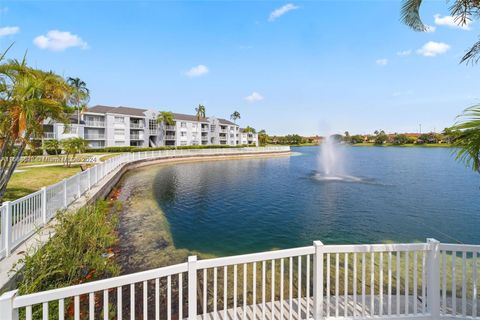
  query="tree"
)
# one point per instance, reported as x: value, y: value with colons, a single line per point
x: 357, y: 139
x: 347, y: 137
x: 235, y: 116
x: 80, y: 95
x: 166, y: 117
x: 380, y: 137
x: 399, y: 139
x: 461, y: 10
x: 467, y: 137
x: 200, y: 112
x: 28, y: 96
x: 249, y: 130
x: 262, y: 137
x: 73, y: 146
x: 52, y: 146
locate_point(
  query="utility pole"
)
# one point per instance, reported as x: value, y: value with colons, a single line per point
x: 420, y: 126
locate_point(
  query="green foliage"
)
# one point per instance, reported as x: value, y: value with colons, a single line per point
x: 400, y: 139
x: 71, y: 147
x: 467, y: 137
x: 235, y: 116
x: 201, y: 112
x: 166, y: 117
x: 77, y: 253
x: 249, y: 129
x: 357, y: 139
x: 52, y: 146
x: 380, y: 137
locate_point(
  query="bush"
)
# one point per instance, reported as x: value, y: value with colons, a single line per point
x: 53, y: 152
x: 33, y: 152
x: 142, y: 149
x: 77, y: 253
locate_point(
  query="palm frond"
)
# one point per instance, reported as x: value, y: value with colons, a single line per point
x: 410, y: 15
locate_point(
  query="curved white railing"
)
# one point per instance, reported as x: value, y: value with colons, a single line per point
x: 380, y: 281
x: 22, y: 217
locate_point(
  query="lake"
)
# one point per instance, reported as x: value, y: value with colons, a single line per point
x: 249, y: 205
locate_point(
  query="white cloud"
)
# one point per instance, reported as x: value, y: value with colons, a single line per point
x: 452, y: 22
x: 430, y: 28
x: 8, y: 31
x: 382, y: 62
x: 197, y: 71
x: 404, y: 53
x: 432, y: 48
x: 56, y: 40
x: 277, y: 13
x: 254, y: 97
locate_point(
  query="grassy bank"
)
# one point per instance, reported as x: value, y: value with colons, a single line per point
x: 28, y: 180
x: 80, y: 251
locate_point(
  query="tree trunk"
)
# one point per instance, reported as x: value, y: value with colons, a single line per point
x: 10, y: 170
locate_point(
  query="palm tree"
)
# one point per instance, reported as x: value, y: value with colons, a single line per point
x: 200, y: 112
x: 462, y: 11
x: 235, y: 116
x: 466, y: 137
x: 166, y: 117
x: 80, y: 95
x: 27, y: 97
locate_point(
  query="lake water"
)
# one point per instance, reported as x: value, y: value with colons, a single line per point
x: 240, y: 206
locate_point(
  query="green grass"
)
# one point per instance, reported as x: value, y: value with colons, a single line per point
x: 33, y: 179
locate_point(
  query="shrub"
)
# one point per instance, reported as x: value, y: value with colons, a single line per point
x: 77, y: 253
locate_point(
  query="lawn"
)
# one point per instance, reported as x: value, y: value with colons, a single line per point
x: 32, y: 179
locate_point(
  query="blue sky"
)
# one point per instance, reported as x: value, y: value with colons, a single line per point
x: 287, y: 67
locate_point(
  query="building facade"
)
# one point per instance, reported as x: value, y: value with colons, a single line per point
x: 104, y: 126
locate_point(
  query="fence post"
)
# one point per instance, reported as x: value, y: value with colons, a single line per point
x: 433, y: 279
x: 89, y: 176
x: 65, y: 193
x: 44, y: 205
x: 6, y: 306
x: 318, y: 281
x: 79, y: 185
x: 192, y: 287
x: 7, y: 226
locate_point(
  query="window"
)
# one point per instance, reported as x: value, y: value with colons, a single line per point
x: 183, y: 134
x: 183, y: 124
x: 119, y: 120
x: 152, y: 124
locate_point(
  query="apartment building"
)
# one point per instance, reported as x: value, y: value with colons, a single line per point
x: 104, y: 126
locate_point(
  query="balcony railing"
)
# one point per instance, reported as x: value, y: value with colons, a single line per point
x: 136, y: 125
x: 379, y: 281
x: 223, y: 130
x: 204, y: 129
x: 170, y: 128
x: 136, y: 137
x: 49, y: 135
x: 170, y: 137
x: 94, y: 123
x: 204, y: 138
x: 94, y: 136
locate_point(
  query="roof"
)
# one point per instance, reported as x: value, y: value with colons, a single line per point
x: 118, y: 110
x: 187, y: 117
x: 223, y: 121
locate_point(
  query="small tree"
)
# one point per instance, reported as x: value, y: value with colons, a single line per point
x: 380, y: 137
x: 52, y: 146
x: 400, y: 139
x: 201, y: 112
x: 357, y: 139
x: 235, y: 116
x: 166, y: 117
x: 72, y: 147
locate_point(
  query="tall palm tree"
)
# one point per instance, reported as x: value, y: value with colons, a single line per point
x: 465, y: 136
x: 235, y: 116
x: 166, y: 117
x: 80, y: 95
x: 200, y: 112
x: 462, y: 11
x: 27, y: 97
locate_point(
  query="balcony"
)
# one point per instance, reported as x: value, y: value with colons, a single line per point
x: 383, y: 281
x: 136, y: 137
x: 152, y: 132
x: 204, y: 129
x: 223, y: 130
x: 170, y: 128
x: 49, y: 135
x: 204, y: 138
x: 94, y: 123
x: 134, y: 125
x: 94, y: 136
x: 170, y: 137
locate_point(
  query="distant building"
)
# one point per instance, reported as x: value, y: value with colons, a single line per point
x: 104, y: 126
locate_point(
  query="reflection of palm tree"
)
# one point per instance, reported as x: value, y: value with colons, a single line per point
x: 235, y: 116
x: 200, y: 112
x: 466, y: 137
x: 80, y: 95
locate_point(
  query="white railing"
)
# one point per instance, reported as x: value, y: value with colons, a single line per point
x: 94, y: 123
x: 94, y: 136
x: 22, y: 217
x: 380, y: 281
x: 49, y: 135
x: 136, y: 125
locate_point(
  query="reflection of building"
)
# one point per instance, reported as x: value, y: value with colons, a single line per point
x: 105, y: 126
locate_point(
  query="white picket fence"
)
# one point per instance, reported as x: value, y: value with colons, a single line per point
x: 379, y: 281
x: 21, y: 218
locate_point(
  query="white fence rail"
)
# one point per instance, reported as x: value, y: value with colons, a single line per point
x: 384, y: 281
x: 22, y: 217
